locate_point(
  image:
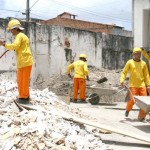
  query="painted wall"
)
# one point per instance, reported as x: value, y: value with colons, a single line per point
x: 141, y: 23
x: 52, y: 55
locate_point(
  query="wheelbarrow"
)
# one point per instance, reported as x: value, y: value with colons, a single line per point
x: 143, y: 102
x: 97, y: 92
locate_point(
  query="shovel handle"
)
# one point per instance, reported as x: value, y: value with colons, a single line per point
x: 4, y: 54
x: 130, y: 93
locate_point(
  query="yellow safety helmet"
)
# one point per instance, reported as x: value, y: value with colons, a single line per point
x: 136, y: 49
x: 14, y: 23
x: 82, y: 56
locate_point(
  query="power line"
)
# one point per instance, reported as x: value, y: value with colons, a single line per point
x: 90, y: 12
x: 76, y: 8
x: 34, y: 4
x: 10, y: 10
x: 38, y: 16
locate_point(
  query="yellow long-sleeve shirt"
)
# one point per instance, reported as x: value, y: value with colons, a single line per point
x: 23, y: 51
x: 139, y: 75
x: 80, y: 69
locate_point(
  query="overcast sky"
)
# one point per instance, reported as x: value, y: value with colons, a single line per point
x: 117, y: 12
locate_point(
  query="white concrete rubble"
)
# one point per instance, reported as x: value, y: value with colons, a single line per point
x: 45, y: 128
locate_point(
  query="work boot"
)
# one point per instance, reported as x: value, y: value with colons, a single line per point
x: 126, y: 113
x: 23, y: 100
x: 73, y: 100
x: 82, y: 101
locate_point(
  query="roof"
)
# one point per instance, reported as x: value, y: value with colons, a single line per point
x: 64, y: 13
x: 79, y: 24
x: 65, y: 20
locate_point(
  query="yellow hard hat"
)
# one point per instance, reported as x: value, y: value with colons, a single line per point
x: 82, y: 56
x: 14, y: 24
x: 136, y: 49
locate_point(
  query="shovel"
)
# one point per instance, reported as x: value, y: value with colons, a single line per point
x: 104, y: 79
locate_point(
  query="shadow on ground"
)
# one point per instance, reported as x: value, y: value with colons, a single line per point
x: 106, y: 104
x: 144, y: 128
x: 126, y: 144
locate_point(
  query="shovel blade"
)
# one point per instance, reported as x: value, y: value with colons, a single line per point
x: 104, y: 79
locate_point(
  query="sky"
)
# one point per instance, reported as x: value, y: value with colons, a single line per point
x: 118, y: 12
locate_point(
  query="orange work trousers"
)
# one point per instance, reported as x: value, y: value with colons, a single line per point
x: 79, y: 84
x: 138, y: 92
x: 23, y: 79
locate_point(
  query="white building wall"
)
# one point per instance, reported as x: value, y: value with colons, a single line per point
x: 141, y: 22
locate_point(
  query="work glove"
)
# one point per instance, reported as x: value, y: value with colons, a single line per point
x: 2, y: 43
x: 88, y: 78
x: 148, y: 90
x: 123, y: 84
x: 69, y: 76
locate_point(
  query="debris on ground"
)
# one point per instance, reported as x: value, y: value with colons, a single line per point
x: 63, y: 86
x: 45, y: 128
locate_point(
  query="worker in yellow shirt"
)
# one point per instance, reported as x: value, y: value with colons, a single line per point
x: 80, y: 72
x: 24, y: 58
x: 139, y: 80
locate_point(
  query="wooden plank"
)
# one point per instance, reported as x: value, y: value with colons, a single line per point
x: 94, y: 124
x: 26, y: 106
x: 109, y: 128
x: 20, y: 107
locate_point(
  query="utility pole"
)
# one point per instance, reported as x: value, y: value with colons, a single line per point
x: 27, y: 12
x: 27, y: 18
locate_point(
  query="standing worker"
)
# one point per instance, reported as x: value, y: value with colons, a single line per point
x: 139, y: 80
x: 80, y: 72
x: 24, y: 58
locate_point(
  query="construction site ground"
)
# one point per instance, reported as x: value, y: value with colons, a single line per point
x: 112, y: 114
x: 110, y: 110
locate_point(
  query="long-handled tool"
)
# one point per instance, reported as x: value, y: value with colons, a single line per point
x: 104, y: 79
x: 130, y: 93
x: 4, y: 54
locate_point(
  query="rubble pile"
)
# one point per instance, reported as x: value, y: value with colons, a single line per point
x: 44, y: 128
x: 63, y: 85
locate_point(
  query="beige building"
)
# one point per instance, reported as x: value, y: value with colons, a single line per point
x: 69, y: 20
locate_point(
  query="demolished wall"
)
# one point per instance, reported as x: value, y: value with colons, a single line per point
x: 52, y: 54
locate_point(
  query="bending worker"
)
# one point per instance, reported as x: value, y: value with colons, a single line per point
x: 139, y: 79
x: 80, y: 72
x: 23, y: 56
